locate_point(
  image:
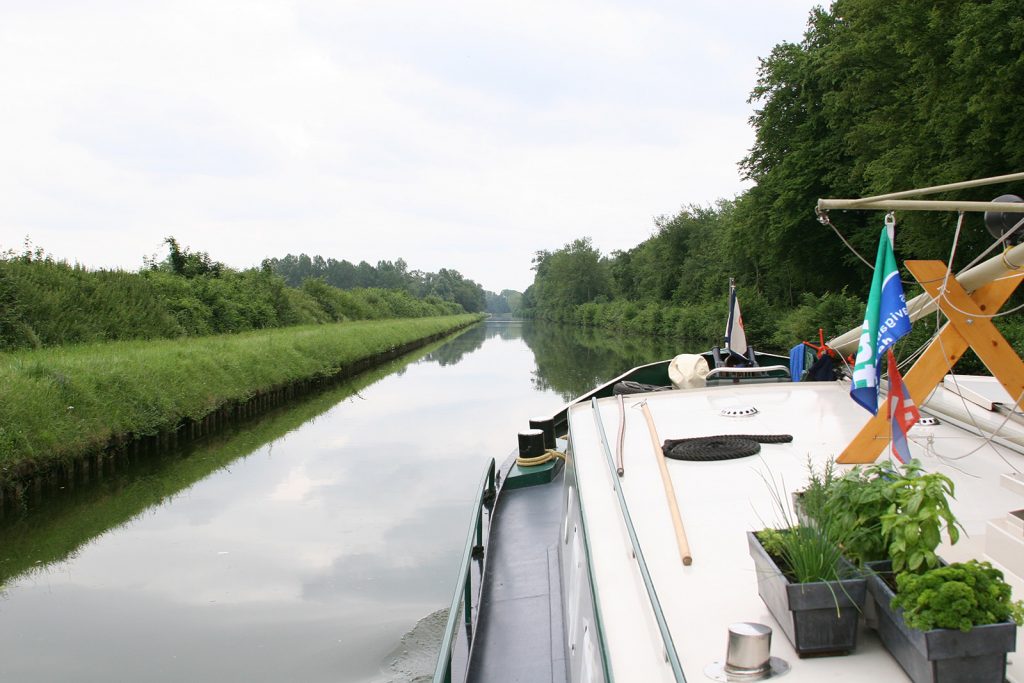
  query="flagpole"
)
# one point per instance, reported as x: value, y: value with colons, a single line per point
x: 889, y: 412
x: 729, y: 322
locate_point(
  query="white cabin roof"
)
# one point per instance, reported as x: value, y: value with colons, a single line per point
x: 720, y: 501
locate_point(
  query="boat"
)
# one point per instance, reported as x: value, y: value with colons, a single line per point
x: 591, y: 557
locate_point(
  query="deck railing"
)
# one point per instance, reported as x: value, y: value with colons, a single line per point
x: 659, y: 615
x: 464, y: 587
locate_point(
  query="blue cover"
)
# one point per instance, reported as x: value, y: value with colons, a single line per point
x: 796, y: 362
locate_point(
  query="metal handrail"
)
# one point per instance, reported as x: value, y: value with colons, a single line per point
x: 753, y: 371
x: 464, y: 585
x: 652, y: 595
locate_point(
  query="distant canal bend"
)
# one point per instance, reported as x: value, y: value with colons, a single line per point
x: 300, y: 547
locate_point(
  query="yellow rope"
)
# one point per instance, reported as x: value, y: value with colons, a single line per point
x: 547, y: 456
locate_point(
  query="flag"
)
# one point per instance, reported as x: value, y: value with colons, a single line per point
x: 885, y: 320
x: 902, y: 412
x: 735, y: 336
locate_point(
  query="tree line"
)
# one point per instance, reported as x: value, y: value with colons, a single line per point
x: 877, y: 97
x: 446, y: 284
x: 47, y: 302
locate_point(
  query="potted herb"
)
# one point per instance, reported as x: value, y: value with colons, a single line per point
x: 854, y: 506
x: 903, y: 513
x: 912, y: 526
x: 940, y: 629
x: 951, y: 623
x: 814, y: 594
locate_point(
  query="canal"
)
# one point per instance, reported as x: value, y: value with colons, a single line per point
x: 317, y: 543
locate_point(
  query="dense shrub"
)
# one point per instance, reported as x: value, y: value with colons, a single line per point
x: 832, y: 312
x: 47, y: 303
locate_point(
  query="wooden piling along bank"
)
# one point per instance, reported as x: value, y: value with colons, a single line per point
x: 123, y: 450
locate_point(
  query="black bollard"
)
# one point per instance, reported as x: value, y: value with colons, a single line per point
x: 531, y: 443
x: 546, y: 425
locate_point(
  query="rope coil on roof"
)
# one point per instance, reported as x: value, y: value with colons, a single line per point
x: 721, y: 447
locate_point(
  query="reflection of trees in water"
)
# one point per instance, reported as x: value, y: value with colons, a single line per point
x: 573, y: 360
x: 452, y: 352
x: 570, y: 360
x: 472, y: 339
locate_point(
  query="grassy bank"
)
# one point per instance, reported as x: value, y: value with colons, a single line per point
x: 60, y: 403
x: 55, y: 531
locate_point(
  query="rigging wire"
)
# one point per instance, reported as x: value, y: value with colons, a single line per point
x: 929, y: 447
x: 1001, y: 240
x: 825, y: 219
x: 988, y: 440
x: 949, y: 270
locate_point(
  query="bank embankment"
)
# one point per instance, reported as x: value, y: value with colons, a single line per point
x: 61, y: 407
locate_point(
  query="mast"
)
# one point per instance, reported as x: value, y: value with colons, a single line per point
x: 971, y: 279
x: 728, y: 317
x: 897, y: 200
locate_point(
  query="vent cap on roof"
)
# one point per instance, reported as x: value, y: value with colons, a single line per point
x: 739, y: 411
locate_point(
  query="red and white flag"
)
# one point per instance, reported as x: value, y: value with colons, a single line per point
x: 903, y: 413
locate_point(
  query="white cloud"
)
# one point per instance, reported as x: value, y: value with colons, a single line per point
x: 452, y: 134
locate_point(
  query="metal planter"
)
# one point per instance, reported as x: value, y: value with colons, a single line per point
x: 940, y: 655
x: 817, y: 618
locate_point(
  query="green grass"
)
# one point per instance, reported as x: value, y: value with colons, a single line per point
x: 59, y: 403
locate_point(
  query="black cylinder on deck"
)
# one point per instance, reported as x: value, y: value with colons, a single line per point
x: 531, y: 443
x: 546, y: 425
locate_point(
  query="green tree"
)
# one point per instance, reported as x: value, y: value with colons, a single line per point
x: 188, y: 263
x: 568, y: 277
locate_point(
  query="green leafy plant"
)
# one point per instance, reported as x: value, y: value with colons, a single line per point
x: 772, y: 540
x: 913, y: 524
x: 881, y: 512
x: 958, y: 596
x: 854, y: 506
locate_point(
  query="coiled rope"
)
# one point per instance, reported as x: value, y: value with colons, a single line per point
x: 722, y: 447
x: 547, y: 456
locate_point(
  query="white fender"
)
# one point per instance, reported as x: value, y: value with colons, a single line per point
x: 688, y: 371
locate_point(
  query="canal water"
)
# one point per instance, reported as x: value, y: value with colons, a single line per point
x: 317, y: 543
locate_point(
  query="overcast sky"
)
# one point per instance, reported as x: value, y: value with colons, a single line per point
x: 451, y: 133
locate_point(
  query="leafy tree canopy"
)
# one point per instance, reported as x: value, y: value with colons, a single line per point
x: 877, y: 97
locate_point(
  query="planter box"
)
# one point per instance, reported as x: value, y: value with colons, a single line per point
x: 817, y: 618
x: 940, y: 655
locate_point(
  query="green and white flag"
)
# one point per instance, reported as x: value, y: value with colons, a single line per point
x: 885, y: 321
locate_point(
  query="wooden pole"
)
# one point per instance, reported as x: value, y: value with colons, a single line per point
x: 670, y: 493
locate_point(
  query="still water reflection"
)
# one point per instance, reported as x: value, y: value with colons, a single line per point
x: 302, y: 546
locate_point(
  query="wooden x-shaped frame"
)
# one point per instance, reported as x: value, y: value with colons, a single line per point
x: 969, y: 325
